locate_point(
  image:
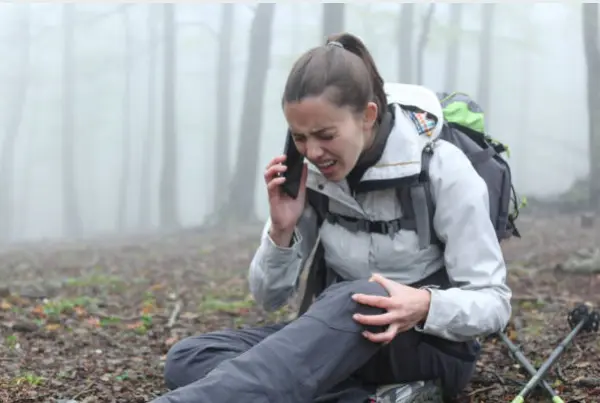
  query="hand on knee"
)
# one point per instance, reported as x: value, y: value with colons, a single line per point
x: 404, y: 308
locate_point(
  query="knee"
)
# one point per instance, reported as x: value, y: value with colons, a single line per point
x: 335, y: 305
x: 348, y: 288
x: 181, y: 358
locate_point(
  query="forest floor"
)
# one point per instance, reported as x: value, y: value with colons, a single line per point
x: 92, y: 321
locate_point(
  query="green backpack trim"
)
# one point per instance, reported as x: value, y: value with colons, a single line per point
x: 460, y: 109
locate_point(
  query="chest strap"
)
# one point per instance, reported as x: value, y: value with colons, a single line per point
x: 354, y: 224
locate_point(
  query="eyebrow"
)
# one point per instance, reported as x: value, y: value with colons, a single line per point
x: 315, y: 131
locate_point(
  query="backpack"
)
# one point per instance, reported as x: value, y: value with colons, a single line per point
x: 464, y: 127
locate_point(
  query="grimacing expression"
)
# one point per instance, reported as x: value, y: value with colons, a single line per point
x: 330, y: 137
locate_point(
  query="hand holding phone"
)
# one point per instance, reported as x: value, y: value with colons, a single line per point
x: 284, y: 178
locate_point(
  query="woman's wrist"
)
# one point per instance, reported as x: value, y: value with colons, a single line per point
x: 281, y: 237
x: 425, y: 303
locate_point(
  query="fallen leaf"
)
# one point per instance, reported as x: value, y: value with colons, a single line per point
x: 79, y: 311
x: 93, y: 321
x: 171, y: 340
x: 5, y: 305
x: 135, y: 325
x: 51, y: 327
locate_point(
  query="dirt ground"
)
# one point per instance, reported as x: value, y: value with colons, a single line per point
x: 91, y: 321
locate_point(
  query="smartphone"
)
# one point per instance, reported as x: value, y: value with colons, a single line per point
x: 295, y: 163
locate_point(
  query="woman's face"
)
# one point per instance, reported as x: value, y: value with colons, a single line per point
x: 330, y: 137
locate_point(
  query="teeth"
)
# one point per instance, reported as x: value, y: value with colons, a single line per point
x: 327, y: 164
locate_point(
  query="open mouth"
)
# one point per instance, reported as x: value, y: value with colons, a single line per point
x: 327, y: 168
x: 327, y: 164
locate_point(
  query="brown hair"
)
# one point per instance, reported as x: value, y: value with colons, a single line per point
x: 347, y: 72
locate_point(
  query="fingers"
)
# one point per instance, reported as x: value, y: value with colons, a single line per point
x: 375, y: 320
x: 383, y: 337
x: 274, y: 168
x: 373, y: 300
x: 384, y: 282
x: 275, y: 182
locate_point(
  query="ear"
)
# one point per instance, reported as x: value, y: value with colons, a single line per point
x: 370, y: 115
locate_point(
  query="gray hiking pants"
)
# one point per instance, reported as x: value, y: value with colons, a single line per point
x: 319, y: 357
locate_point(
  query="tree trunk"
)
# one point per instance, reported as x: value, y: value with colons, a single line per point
x: 453, y: 49
x: 591, y: 40
x: 241, y: 204
x: 145, y: 205
x: 126, y: 134
x: 72, y: 225
x: 169, y: 216
x: 221, y: 157
x: 485, y: 55
x: 13, y: 125
x: 405, y: 41
x: 422, y: 44
x: 332, y: 19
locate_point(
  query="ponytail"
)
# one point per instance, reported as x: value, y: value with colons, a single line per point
x: 353, y: 44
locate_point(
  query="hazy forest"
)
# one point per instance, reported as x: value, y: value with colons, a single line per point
x: 133, y: 139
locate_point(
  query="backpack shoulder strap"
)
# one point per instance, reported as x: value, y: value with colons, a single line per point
x: 417, y: 204
x: 316, y: 278
x: 320, y: 203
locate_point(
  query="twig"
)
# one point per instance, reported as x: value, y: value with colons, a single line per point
x: 560, y: 374
x: 481, y: 390
x: 174, y: 315
x: 576, y: 359
x: 588, y: 382
x: 82, y: 391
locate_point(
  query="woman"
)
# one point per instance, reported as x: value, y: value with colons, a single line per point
x: 370, y: 328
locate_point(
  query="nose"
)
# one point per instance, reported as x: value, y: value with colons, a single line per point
x: 314, y: 151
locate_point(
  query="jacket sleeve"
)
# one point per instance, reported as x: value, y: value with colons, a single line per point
x: 479, y: 303
x: 274, y: 270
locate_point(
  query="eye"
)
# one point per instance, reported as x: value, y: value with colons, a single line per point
x: 298, y: 138
x: 326, y: 136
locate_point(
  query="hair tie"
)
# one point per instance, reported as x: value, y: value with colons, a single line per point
x: 335, y: 43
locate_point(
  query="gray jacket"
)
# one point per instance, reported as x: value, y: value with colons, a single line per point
x: 479, y: 303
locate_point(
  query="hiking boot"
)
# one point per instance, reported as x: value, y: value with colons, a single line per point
x: 415, y: 392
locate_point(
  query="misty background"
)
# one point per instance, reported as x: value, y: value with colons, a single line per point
x: 130, y: 118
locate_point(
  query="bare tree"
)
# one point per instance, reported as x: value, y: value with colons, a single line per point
x: 168, y: 199
x: 18, y: 97
x: 72, y: 225
x: 485, y: 56
x: 223, y: 96
x: 422, y: 43
x: 145, y: 204
x: 332, y: 19
x: 126, y: 133
x: 453, y: 48
x: 591, y: 40
x: 405, y: 41
x: 241, y: 203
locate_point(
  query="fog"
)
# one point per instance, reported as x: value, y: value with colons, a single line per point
x: 105, y: 129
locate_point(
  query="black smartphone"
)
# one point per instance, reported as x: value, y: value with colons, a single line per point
x: 294, y: 162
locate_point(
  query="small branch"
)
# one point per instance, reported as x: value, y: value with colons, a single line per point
x: 481, y: 390
x: 174, y: 315
x: 87, y: 388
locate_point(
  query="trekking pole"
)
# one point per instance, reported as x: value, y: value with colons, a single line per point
x: 579, y: 319
x: 528, y: 367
